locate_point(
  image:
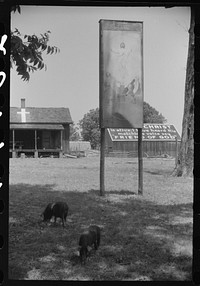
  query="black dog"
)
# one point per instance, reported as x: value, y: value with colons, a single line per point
x: 58, y: 209
x: 89, y: 238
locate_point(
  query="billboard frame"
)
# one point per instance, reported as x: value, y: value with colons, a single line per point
x: 135, y: 123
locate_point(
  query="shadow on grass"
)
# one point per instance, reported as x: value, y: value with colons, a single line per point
x: 139, y: 238
x: 122, y: 192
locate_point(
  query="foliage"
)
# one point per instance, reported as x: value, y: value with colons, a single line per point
x: 90, y: 123
x: 75, y: 133
x: 151, y: 115
x: 90, y: 127
x: 26, y: 51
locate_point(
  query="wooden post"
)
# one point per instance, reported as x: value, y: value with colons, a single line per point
x: 61, y: 139
x: 176, y: 155
x: 140, y: 163
x: 35, y: 139
x: 14, y: 155
x: 102, y: 163
x: 13, y: 145
x: 36, y: 151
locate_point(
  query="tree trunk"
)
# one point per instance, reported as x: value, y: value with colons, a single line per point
x: 184, y: 165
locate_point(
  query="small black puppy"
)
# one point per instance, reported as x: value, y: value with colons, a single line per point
x: 58, y: 209
x: 89, y: 238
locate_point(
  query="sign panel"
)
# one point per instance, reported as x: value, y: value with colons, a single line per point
x: 150, y: 132
x: 121, y: 74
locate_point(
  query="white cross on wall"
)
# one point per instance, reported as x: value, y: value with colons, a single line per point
x: 23, y: 113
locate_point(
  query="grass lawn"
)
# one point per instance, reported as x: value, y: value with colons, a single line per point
x: 145, y: 237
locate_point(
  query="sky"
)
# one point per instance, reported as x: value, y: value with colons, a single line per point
x: 72, y: 76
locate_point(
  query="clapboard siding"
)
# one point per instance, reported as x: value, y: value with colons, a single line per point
x: 150, y: 148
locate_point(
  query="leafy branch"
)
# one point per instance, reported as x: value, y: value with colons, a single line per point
x: 27, y: 50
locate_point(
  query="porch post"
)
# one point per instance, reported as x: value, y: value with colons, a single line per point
x: 36, y: 151
x: 61, y: 147
x: 13, y: 146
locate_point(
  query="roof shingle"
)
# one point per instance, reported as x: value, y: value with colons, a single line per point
x: 42, y: 115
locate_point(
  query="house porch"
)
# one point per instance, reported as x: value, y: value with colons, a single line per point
x: 36, y: 143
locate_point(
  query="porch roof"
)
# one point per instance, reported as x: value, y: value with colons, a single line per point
x: 37, y: 126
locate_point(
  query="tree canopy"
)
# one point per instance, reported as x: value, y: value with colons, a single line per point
x: 90, y: 127
x: 27, y: 50
x: 75, y: 133
x: 90, y: 123
x: 151, y: 115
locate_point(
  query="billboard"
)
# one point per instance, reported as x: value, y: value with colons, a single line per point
x: 150, y: 132
x: 121, y: 74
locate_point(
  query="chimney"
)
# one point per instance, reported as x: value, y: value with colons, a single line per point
x: 23, y: 103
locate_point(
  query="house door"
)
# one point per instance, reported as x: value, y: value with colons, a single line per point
x: 46, y: 139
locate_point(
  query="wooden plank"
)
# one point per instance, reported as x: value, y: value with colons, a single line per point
x: 102, y: 163
x: 140, y: 163
x: 176, y: 152
x: 13, y: 139
x: 61, y: 139
x: 39, y: 150
x: 35, y: 139
x: 36, y: 151
x: 70, y: 156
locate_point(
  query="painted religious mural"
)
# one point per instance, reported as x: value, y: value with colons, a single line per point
x: 121, y: 74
